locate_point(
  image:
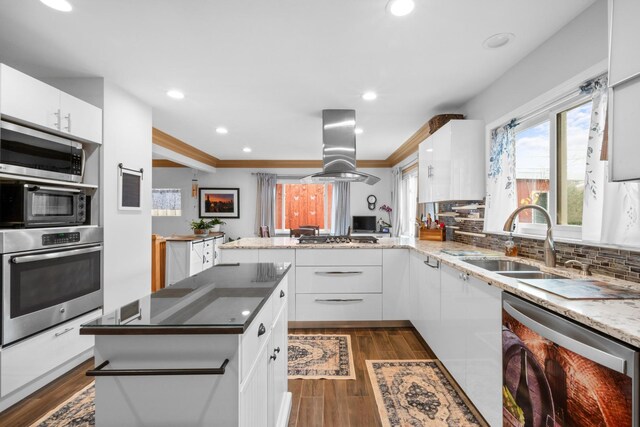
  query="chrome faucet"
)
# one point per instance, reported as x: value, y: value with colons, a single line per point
x: 584, y: 266
x: 549, y: 246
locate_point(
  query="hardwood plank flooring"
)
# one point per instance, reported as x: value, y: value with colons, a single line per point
x: 322, y: 403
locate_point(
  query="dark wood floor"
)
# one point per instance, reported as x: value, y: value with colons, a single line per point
x: 351, y: 403
x: 335, y: 403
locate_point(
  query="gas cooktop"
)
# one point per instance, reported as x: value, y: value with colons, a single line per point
x: 319, y: 240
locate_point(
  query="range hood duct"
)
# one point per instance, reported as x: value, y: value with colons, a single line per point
x: 339, y: 150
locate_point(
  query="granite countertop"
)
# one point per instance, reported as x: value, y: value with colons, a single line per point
x: 192, y: 237
x: 223, y: 299
x: 619, y: 318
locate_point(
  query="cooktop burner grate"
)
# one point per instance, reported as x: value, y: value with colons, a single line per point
x: 336, y: 239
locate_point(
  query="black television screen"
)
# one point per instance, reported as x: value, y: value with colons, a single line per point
x: 364, y: 224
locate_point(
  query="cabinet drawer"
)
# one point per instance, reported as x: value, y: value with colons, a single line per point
x: 338, y: 256
x: 35, y: 356
x: 341, y: 279
x: 339, y: 307
x: 208, y: 243
x: 254, y: 338
x: 280, y: 297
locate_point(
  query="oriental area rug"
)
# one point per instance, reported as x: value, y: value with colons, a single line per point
x: 77, y: 411
x: 419, y: 393
x: 321, y: 357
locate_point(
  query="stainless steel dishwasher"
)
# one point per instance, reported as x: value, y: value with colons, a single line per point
x: 557, y: 373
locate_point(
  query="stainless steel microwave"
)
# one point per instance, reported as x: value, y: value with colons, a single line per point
x: 30, y: 152
x: 28, y: 205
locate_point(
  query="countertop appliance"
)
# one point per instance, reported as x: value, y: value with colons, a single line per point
x: 328, y: 240
x: 558, y: 373
x: 49, y: 276
x: 30, y: 152
x: 24, y: 205
x: 364, y: 224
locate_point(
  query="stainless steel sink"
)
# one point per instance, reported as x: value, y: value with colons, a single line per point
x: 530, y: 275
x: 501, y: 265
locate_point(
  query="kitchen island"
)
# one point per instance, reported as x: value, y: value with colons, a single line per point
x: 209, y: 350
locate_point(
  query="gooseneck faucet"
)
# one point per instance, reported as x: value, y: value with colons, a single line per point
x: 549, y: 246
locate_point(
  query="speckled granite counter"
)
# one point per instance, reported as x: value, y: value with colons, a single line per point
x: 617, y: 318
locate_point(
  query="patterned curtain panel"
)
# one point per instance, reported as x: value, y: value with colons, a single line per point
x: 166, y: 202
x: 501, y: 178
x: 396, y: 201
x: 265, y: 202
x: 610, y: 209
x: 341, y: 209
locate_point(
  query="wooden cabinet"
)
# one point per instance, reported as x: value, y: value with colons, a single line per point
x: 624, y: 90
x: 32, y: 102
x: 471, y: 322
x: 448, y: 166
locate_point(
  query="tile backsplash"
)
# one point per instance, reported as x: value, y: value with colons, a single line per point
x: 619, y: 263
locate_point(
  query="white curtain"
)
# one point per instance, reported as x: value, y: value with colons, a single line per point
x: 409, y: 205
x: 501, y: 197
x: 266, y: 201
x: 166, y: 202
x: 610, y: 209
x: 396, y: 201
x: 341, y: 209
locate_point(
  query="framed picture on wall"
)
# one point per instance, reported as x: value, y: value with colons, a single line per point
x: 129, y: 189
x: 219, y: 202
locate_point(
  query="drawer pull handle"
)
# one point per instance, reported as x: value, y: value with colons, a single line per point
x: 261, y: 329
x: 281, y: 294
x: 99, y: 371
x: 337, y: 273
x: 339, y: 300
x: 276, y: 350
x: 273, y: 357
x: 57, y: 334
x: 428, y: 263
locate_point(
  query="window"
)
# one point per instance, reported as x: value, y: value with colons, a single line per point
x: 166, y: 202
x: 551, y: 151
x: 303, y: 204
x: 409, y: 203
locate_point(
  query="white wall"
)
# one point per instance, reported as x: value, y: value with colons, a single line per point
x: 127, y: 234
x: 578, y: 46
x: 242, y: 179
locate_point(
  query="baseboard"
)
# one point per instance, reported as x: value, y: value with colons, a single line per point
x: 310, y: 324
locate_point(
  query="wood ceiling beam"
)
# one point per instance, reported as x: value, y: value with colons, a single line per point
x: 174, y: 144
x: 166, y: 163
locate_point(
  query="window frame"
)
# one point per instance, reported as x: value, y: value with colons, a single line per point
x: 327, y: 211
x: 552, y: 115
x: 412, y: 173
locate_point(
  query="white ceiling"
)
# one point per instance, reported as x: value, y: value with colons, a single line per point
x: 266, y: 68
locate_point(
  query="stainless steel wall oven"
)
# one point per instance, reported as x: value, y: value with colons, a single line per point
x: 48, y: 276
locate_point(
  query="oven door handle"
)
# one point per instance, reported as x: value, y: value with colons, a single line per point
x: 54, y: 255
x: 46, y: 188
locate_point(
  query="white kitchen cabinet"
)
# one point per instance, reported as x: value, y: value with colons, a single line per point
x: 448, y: 166
x: 35, y: 356
x: 281, y: 255
x: 254, y: 404
x: 230, y: 256
x: 278, y: 371
x: 415, y: 259
x: 624, y: 90
x: 429, y: 299
x: 188, y: 257
x: 396, y: 292
x: 331, y: 307
x: 471, y: 313
x: 32, y: 102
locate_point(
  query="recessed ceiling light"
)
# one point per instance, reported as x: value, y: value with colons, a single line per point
x: 175, y: 94
x: 60, y: 5
x: 222, y: 131
x: 247, y: 149
x: 369, y: 95
x: 358, y: 131
x: 400, y: 7
x: 498, y: 40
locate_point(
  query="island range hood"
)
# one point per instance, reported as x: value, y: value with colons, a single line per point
x: 339, y: 150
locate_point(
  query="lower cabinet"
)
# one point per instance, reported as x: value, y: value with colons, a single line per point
x: 471, y: 313
x: 186, y: 258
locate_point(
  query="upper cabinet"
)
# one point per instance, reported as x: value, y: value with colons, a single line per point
x: 451, y: 163
x: 624, y: 90
x: 30, y: 101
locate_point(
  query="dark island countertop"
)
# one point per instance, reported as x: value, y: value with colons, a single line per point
x: 223, y: 299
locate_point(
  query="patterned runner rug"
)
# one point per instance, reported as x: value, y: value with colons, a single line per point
x: 419, y: 393
x: 321, y: 356
x: 77, y: 411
